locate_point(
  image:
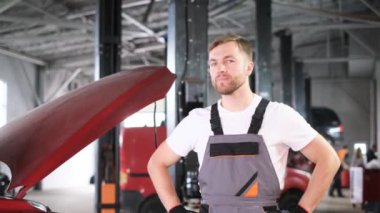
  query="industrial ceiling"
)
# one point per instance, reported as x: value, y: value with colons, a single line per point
x: 60, y: 35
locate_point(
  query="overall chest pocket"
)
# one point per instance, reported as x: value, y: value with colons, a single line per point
x: 234, y: 149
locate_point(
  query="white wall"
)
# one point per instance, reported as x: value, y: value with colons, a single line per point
x: 20, y: 79
x: 75, y: 172
x: 78, y: 170
x: 350, y: 99
x: 21, y: 83
x: 347, y: 88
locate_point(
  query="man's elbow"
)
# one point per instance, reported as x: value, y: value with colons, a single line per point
x: 154, y: 164
x: 334, y: 162
x: 151, y: 165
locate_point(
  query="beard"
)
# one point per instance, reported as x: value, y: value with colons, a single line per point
x: 229, y: 86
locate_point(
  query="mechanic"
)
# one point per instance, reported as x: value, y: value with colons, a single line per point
x: 242, y: 143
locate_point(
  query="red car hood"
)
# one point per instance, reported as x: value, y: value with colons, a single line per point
x: 36, y: 144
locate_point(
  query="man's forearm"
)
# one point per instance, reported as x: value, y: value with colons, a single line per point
x: 320, y: 181
x: 164, y: 185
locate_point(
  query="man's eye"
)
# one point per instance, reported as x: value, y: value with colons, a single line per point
x: 212, y: 65
x: 230, y: 61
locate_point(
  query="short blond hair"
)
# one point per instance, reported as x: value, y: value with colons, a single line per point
x: 243, y: 44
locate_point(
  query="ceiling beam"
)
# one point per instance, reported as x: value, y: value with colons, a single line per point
x: 301, y: 43
x: 239, y: 10
x: 88, y: 59
x: 91, y: 11
x: 149, y: 48
x: 64, y: 85
x: 234, y: 22
x: 21, y: 30
x: 68, y: 50
x: 224, y: 7
x: 54, y: 56
x: 5, y: 5
x: 74, y: 62
x: 22, y: 57
x: 330, y: 14
x: 158, y: 24
x: 133, y: 66
x: 31, y: 5
x: 225, y: 30
x: 361, y: 43
x: 215, y: 23
x: 46, y: 21
x: 55, y: 45
x: 30, y: 39
x: 5, y: 29
x: 333, y: 60
x: 49, y: 32
x: 148, y: 11
x: 138, y: 24
x: 142, y: 26
x: 332, y: 26
x: 366, y: 3
x: 155, y: 59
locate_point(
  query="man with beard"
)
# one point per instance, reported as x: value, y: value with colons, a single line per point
x: 242, y: 143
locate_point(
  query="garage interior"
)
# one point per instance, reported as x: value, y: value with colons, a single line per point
x: 309, y: 53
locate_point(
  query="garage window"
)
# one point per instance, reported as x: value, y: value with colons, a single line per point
x: 3, y: 103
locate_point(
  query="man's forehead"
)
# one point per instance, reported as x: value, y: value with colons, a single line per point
x: 229, y: 44
x: 224, y: 50
x: 223, y: 57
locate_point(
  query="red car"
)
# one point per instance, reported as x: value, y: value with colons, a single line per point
x: 36, y: 144
x: 137, y: 191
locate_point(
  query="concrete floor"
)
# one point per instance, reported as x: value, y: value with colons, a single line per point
x: 73, y: 200
x: 338, y: 205
x: 81, y: 200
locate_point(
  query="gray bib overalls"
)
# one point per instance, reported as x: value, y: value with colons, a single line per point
x: 237, y: 175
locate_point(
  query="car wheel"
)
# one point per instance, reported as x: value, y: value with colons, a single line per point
x: 152, y: 205
x: 289, y: 200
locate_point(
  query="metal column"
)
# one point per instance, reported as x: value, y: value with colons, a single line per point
x: 308, y: 99
x: 40, y: 71
x: 187, y: 58
x: 107, y: 62
x: 299, y: 87
x: 286, y: 65
x: 377, y: 102
x: 263, y: 75
x: 175, y: 56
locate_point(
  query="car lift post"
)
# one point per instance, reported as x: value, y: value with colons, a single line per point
x: 107, y: 62
x: 263, y: 69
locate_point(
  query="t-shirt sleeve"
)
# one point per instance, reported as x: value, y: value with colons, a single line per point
x: 296, y: 131
x: 182, y: 140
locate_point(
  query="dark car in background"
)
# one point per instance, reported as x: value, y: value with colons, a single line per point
x: 328, y: 124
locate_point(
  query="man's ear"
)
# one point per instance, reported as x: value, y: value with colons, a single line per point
x: 250, y: 67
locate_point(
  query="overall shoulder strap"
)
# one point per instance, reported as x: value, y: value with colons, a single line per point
x: 258, y: 116
x: 215, y: 122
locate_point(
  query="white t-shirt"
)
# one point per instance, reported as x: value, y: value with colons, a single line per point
x: 282, y: 128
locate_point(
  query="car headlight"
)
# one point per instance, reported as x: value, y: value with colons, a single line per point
x: 335, y: 131
x: 39, y: 206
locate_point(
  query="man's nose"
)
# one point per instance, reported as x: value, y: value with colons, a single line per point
x: 221, y: 67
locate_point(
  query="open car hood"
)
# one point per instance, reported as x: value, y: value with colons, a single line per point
x: 39, y: 142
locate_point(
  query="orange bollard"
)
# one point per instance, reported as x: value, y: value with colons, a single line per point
x: 108, y: 196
